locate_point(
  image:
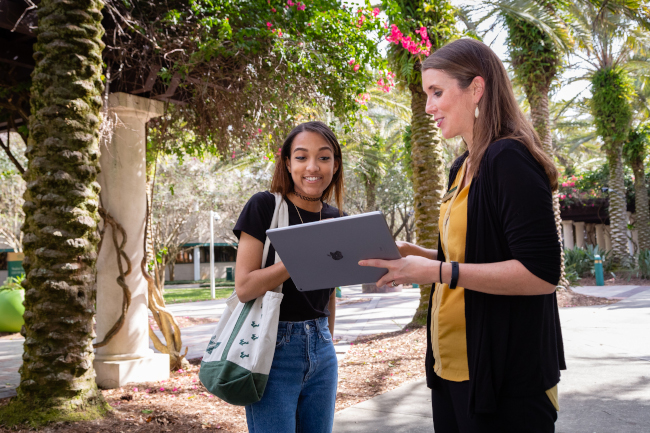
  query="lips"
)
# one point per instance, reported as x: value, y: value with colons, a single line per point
x: 439, y: 120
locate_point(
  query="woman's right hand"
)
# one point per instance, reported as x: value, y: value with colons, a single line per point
x: 409, y: 249
x: 405, y: 248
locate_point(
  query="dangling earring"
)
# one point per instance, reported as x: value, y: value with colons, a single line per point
x: 476, y: 112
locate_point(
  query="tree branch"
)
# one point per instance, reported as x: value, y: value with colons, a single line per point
x: 11, y: 156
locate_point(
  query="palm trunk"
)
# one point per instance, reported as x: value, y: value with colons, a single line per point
x: 538, y: 100
x: 61, y: 200
x: 641, y: 205
x: 618, y: 207
x: 428, y: 183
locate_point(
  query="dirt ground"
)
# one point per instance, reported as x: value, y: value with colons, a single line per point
x: 621, y: 280
x: 569, y: 298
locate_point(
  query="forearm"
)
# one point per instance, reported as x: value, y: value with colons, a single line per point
x: 332, y: 317
x: 503, y: 278
x: 416, y: 250
x: 258, y: 282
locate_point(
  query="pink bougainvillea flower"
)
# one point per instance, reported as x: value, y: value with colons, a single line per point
x: 356, y: 67
x: 351, y: 62
x: 290, y: 3
x: 268, y: 24
x: 301, y: 7
x: 273, y: 10
x: 259, y: 130
x: 135, y: 389
x: 162, y: 389
x: 279, y: 32
x: 180, y: 370
x: 376, y: 12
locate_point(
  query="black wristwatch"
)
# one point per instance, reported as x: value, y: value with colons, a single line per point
x: 454, y: 275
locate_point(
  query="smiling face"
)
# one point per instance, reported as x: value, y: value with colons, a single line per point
x: 452, y: 107
x: 311, y: 163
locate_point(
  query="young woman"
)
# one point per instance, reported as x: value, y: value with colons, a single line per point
x: 301, y: 389
x: 494, y: 342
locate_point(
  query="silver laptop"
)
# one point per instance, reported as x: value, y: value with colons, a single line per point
x: 326, y: 254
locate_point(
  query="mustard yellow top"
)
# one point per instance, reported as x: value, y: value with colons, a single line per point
x: 448, y: 336
x: 448, y: 332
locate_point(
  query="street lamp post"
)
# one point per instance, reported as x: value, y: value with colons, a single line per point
x: 212, y: 254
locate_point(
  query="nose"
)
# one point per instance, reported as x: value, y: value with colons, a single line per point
x: 312, y: 166
x: 431, y: 108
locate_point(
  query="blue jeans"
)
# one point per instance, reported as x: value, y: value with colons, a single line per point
x: 301, y: 390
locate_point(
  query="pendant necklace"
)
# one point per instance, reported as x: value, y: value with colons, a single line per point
x: 320, y: 212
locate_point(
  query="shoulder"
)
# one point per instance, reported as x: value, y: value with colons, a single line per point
x: 506, y: 149
x: 261, y: 204
x: 330, y: 211
x: 264, y: 198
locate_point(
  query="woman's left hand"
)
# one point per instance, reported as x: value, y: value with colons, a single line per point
x: 407, y: 270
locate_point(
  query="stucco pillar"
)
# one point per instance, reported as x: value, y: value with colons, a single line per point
x: 580, y: 233
x: 197, y: 263
x: 567, y: 230
x: 127, y: 357
x: 600, y: 237
x: 608, y: 240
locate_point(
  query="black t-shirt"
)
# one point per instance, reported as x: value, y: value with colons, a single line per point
x: 255, y: 220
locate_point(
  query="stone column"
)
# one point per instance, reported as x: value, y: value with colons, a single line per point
x: 600, y: 237
x: 608, y: 240
x: 567, y: 230
x: 127, y: 357
x: 197, y: 263
x: 580, y: 233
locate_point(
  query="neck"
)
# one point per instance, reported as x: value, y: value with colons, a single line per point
x: 311, y: 206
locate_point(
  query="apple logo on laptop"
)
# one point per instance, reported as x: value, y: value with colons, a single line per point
x: 336, y: 255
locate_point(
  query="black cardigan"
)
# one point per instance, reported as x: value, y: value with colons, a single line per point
x: 514, y: 343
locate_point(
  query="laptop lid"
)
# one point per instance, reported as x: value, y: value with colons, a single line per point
x: 325, y: 254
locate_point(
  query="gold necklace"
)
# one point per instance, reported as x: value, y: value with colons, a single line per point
x: 320, y: 212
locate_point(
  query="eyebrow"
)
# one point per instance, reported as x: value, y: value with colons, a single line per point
x: 322, y: 148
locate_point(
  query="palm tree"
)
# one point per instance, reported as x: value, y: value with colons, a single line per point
x: 537, y: 38
x: 635, y: 151
x: 427, y: 160
x: 61, y: 200
x: 615, y: 34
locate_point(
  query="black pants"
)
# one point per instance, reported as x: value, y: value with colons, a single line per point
x: 514, y: 414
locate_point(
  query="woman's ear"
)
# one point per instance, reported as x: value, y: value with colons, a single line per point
x: 287, y: 163
x: 478, y: 88
x: 336, y: 165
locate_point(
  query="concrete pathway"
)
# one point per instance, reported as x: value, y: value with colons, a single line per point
x: 378, y: 313
x: 605, y: 389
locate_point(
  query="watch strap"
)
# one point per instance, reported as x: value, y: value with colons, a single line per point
x: 454, y: 275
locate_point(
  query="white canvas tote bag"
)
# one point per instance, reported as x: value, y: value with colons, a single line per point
x: 237, y: 361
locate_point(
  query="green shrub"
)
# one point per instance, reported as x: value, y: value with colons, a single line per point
x: 643, y: 259
x: 579, y: 262
x: 13, y: 283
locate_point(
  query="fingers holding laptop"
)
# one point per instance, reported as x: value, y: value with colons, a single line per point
x: 409, y: 249
x: 407, y: 270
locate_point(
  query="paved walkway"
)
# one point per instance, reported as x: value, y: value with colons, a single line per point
x: 605, y: 389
